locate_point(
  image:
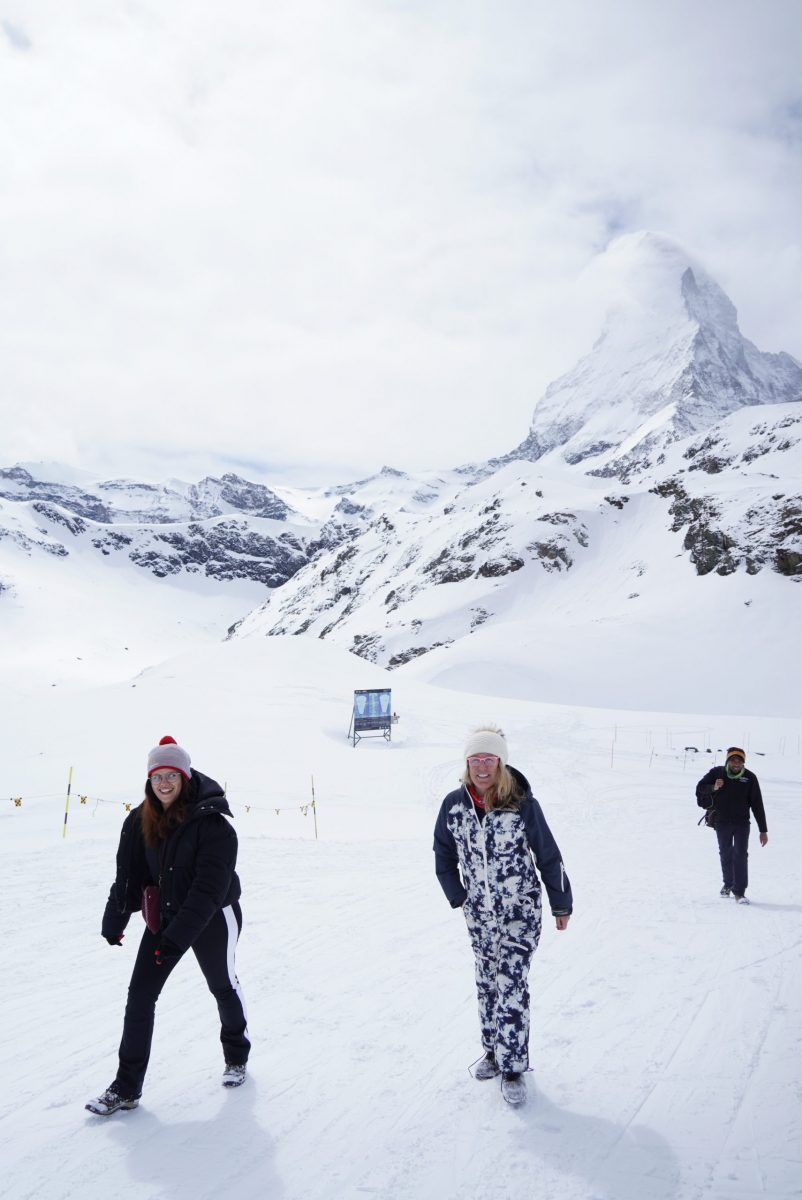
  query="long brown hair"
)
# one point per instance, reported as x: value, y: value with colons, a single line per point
x: 159, y: 822
x: 504, y: 794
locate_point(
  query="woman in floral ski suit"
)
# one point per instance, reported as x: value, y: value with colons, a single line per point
x: 486, y: 835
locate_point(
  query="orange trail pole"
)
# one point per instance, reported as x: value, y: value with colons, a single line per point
x: 67, y: 807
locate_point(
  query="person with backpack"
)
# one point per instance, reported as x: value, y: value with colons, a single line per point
x: 176, y: 863
x: 733, y: 792
x: 489, y: 835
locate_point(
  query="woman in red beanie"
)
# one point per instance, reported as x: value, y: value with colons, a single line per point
x: 179, y: 840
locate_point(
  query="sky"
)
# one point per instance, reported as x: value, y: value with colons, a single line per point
x: 304, y: 241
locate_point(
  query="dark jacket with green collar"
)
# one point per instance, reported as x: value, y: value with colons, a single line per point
x: 734, y: 801
x: 197, y: 862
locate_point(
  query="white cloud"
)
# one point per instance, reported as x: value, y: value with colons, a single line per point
x: 331, y: 235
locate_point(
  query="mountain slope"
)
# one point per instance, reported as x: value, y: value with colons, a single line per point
x: 536, y: 564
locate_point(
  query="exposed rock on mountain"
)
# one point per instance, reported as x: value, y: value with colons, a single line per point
x: 238, y: 530
x: 125, y: 500
x: 18, y: 484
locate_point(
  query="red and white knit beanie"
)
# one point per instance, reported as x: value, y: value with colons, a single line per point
x: 487, y: 741
x: 168, y: 755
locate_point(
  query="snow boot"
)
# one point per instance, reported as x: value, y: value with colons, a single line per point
x: 234, y: 1075
x: 513, y: 1087
x: 486, y: 1068
x: 110, y: 1101
x: 740, y: 899
x: 725, y: 891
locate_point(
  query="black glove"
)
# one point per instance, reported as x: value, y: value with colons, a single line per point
x: 167, y: 953
x: 115, y: 939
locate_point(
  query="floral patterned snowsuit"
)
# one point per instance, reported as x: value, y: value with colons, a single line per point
x: 487, y: 868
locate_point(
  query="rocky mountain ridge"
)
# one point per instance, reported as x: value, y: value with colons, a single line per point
x: 411, y: 582
x: 116, y: 501
x: 224, y: 529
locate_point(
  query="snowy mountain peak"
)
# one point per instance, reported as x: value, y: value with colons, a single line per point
x: 707, y: 304
x: 670, y: 362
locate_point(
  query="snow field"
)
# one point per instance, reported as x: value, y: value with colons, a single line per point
x: 665, y: 1020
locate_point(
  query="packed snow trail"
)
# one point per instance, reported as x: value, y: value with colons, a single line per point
x: 665, y: 1021
x: 665, y: 1031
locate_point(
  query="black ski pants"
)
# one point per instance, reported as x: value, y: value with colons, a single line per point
x: 214, y: 951
x: 733, y: 842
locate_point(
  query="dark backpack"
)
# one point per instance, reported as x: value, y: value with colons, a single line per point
x: 708, y: 818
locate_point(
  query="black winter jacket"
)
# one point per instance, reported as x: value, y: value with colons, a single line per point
x: 734, y: 801
x: 490, y: 862
x: 198, y: 875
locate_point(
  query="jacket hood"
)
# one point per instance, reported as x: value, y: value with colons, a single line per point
x: 210, y: 798
x: 520, y: 778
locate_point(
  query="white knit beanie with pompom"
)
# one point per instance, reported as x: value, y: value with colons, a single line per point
x: 487, y: 740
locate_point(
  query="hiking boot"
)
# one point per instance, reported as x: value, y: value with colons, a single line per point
x: 740, y: 899
x: 110, y: 1101
x: 486, y: 1068
x: 234, y: 1074
x: 725, y: 891
x: 513, y: 1087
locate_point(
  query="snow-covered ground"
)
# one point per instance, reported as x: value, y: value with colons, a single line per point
x: 666, y: 1021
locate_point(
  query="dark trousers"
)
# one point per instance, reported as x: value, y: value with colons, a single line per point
x: 214, y: 951
x: 733, y: 841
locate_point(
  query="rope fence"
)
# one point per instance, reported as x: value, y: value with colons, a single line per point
x: 86, y: 799
x: 622, y: 745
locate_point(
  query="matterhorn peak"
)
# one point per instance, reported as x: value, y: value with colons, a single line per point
x: 670, y: 361
x: 649, y: 274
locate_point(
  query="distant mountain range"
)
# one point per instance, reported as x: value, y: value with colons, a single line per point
x: 674, y: 433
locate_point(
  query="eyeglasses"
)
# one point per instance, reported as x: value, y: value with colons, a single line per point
x: 170, y: 777
x: 483, y: 760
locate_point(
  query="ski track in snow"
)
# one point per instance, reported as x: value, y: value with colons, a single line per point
x: 665, y: 1021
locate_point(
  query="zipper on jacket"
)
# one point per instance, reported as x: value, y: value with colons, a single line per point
x: 481, y: 831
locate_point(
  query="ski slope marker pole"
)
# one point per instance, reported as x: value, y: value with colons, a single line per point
x: 67, y: 806
x: 314, y: 808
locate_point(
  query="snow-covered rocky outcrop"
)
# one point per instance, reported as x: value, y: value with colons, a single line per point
x: 115, y: 501
x: 227, y: 528
x: 518, y: 538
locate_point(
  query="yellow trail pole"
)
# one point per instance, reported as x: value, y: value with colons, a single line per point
x: 314, y: 809
x: 67, y: 807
